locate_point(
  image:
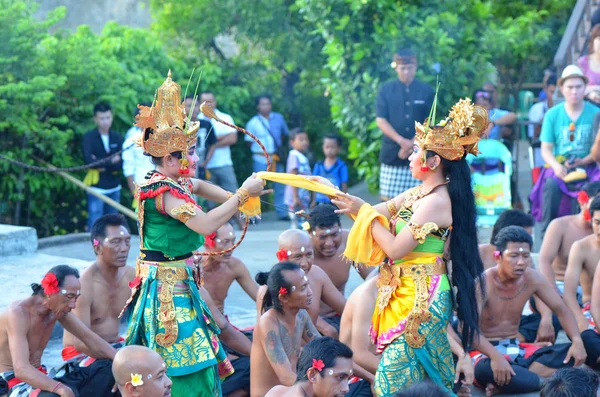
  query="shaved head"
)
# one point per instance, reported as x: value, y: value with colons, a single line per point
x: 298, y: 246
x: 293, y: 237
x: 133, y: 360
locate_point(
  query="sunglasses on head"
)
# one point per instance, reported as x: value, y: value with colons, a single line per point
x: 483, y: 94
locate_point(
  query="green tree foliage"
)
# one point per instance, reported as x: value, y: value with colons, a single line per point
x: 361, y: 37
x: 50, y: 85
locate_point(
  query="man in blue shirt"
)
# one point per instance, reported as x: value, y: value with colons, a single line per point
x: 271, y: 129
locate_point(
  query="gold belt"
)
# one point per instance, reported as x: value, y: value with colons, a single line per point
x: 389, y: 280
x: 168, y: 275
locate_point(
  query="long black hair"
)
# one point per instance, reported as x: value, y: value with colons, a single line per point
x: 274, y: 280
x: 467, y: 267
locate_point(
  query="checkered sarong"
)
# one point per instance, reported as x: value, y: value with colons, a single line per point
x: 395, y: 180
x: 13, y: 386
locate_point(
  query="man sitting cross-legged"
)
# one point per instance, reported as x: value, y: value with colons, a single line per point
x: 508, y: 287
x: 583, y: 258
x: 104, y: 289
x: 324, y: 368
x: 556, y: 246
x: 26, y: 327
x: 221, y: 270
x: 296, y: 246
x: 329, y: 242
x: 281, y: 328
x: 141, y: 372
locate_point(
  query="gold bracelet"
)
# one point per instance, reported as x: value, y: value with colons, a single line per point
x: 243, y: 196
x: 229, y: 195
x: 391, y: 206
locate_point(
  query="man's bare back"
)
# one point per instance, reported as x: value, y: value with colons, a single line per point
x: 355, y: 324
x: 504, y: 302
x: 560, y: 236
x: 275, y: 344
x: 101, y: 303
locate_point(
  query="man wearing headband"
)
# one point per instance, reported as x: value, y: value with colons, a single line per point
x: 400, y: 102
x: 26, y: 327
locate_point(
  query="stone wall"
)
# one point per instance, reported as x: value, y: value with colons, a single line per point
x: 96, y: 13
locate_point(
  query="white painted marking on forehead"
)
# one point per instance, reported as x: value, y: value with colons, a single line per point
x: 302, y: 249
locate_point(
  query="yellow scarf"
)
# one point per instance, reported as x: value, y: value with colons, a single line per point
x: 361, y: 247
x: 299, y: 181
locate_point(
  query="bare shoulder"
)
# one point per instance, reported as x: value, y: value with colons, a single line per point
x: 277, y: 391
x: 317, y: 274
x: 17, y: 313
x: 130, y: 272
x: 266, y: 321
x: 235, y: 263
x: 533, y: 277
x: 87, y: 276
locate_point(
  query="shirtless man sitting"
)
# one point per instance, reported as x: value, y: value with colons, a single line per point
x: 296, y: 246
x: 514, y: 217
x: 104, y: 288
x: 583, y: 258
x: 26, y: 327
x: 221, y: 270
x: 554, y: 254
x: 508, y: 287
x: 329, y: 243
x: 141, y: 372
x: 282, y: 327
x: 324, y: 369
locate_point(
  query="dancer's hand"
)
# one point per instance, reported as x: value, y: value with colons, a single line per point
x: 576, y: 352
x: 347, y: 204
x: 502, y: 371
x: 255, y: 186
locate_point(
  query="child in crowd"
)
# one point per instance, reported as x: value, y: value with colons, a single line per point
x: 332, y: 168
x: 297, y: 199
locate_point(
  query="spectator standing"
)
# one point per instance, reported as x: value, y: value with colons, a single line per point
x: 135, y: 163
x: 97, y: 144
x: 400, y: 102
x: 297, y: 199
x: 332, y: 168
x: 205, y: 145
x: 220, y: 166
x: 270, y: 127
x: 536, y: 115
x: 590, y: 66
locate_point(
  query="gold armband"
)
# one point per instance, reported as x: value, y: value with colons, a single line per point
x: 420, y: 232
x: 391, y: 206
x: 243, y: 196
x: 184, y: 212
x: 229, y: 195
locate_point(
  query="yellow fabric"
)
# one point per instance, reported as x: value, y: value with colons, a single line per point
x: 92, y: 177
x: 298, y: 181
x: 361, y: 246
x: 252, y: 207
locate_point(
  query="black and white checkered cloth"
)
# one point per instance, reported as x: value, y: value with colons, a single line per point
x: 395, y: 180
x: 19, y: 390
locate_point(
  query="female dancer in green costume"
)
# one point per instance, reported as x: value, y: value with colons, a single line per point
x: 429, y: 225
x: 168, y: 315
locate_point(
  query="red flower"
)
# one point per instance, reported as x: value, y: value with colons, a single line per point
x: 184, y: 171
x: 318, y: 365
x: 135, y: 283
x: 282, y: 255
x: 209, y: 240
x: 587, y: 215
x: 424, y: 168
x: 283, y: 291
x: 50, y: 284
x: 582, y: 197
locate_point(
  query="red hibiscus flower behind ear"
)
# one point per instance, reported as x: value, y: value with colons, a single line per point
x: 283, y: 291
x: 282, y: 255
x: 582, y: 197
x: 318, y: 365
x: 209, y: 240
x: 50, y: 284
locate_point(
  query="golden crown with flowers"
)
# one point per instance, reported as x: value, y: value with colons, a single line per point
x: 455, y: 136
x: 170, y: 131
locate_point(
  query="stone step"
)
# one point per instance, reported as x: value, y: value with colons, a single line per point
x: 17, y: 240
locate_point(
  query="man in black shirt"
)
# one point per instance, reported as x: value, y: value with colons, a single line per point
x: 400, y: 102
x: 99, y: 143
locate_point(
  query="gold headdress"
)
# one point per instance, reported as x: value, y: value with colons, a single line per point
x: 171, y: 132
x: 457, y: 135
